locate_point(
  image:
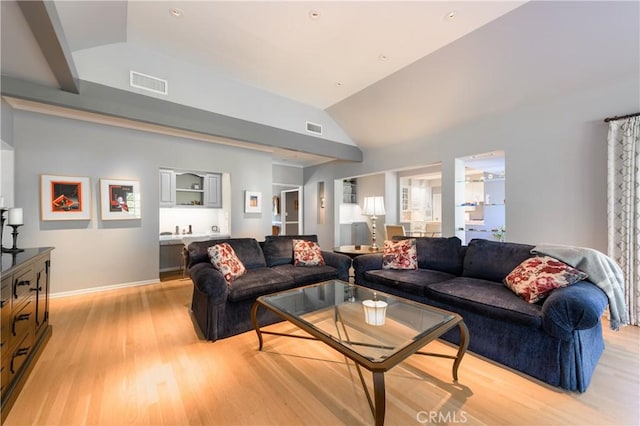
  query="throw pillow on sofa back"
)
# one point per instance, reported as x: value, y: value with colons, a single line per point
x: 278, y: 249
x: 400, y: 254
x: 538, y: 276
x: 225, y: 260
x: 307, y: 253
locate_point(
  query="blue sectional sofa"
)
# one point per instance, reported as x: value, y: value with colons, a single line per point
x: 557, y: 340
x: 221, y: 310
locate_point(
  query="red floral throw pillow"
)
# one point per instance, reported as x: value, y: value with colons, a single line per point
x: 307, y: 253
x: 400, y: 254
x: 536, y: 277
x: 225, y: 260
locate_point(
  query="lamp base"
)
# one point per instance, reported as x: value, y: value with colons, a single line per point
x: 11, y: 250
x: 15, y: 248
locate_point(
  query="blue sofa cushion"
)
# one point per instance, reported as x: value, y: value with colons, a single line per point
x: 302, y: 275
x: 411, y: 281
x: 278, y: 249
x: 440, y: 254
x: 493, y: 260
x: 491, y: 299
x: 247, y: 249
x: 257, y: 282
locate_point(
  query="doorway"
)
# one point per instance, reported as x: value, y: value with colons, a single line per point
x: 287, y: 210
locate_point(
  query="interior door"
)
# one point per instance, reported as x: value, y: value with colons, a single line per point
x: 291, y: 205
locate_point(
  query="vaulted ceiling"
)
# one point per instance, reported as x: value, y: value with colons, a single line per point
x: 384, y: 72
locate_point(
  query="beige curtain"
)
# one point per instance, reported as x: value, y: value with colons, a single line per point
x: 623, y: 208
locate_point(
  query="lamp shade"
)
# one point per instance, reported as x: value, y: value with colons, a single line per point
x: 374, y: 206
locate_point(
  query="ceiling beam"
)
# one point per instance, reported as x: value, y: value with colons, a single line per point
x: 45, y: 25
x: 112, y: 102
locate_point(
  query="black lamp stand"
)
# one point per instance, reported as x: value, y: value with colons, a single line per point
x: 13, y: 249
x: 2, y: 219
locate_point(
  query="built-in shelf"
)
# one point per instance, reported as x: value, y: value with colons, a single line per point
x: 188, y: 188
x: 350, y: 191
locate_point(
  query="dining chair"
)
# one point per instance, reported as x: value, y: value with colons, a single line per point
x: 393, y: 230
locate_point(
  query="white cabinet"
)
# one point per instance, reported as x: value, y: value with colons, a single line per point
x: 167, y: 188
x: 193, y: 189
x: 213, y: 190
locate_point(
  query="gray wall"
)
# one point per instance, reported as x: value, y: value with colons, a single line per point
x: 99, y: 253
x: 287, y: 174
x: 202, y: 88
x: 556, y: 162
x: 6, y: 163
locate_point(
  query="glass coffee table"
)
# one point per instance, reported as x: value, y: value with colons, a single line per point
x: 375, y: 330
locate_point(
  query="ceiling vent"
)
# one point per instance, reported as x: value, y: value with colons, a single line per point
x: 314, y: 128
x: 147, y: 82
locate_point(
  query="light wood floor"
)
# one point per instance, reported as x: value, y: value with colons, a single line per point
x: 132, y: 356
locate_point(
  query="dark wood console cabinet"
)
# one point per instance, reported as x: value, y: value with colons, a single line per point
x: 25, y: 317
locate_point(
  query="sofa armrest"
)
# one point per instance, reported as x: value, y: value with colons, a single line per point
x: 576, y: 307
x: 339, y: 261
x: 209, y: 281
x: 364, y: 263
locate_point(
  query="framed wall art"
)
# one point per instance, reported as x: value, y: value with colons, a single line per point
x: 120, y: 199
x: 252, y: 202
x: 65, y: 197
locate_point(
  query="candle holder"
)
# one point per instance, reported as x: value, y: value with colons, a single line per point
x: 14, y: 249
x: 2, y: 219
x: 375, y: 310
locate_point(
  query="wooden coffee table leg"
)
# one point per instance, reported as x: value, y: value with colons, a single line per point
x: 379, y: 397
x: 462, y: 349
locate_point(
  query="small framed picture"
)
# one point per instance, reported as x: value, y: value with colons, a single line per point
x: 120, y: 199
x: 65, y: 197
x: 252, y: 202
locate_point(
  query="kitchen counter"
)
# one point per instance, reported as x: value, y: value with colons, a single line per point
x: 173, y: 239
x: 171, y: 257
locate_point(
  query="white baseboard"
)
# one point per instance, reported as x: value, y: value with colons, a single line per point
x: 101, y: 289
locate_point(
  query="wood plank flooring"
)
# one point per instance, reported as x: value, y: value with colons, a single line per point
x: 132, y: 356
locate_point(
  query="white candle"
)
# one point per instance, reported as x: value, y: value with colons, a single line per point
x: 15, y: 216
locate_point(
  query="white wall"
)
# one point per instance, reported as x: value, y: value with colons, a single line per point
x: 556, y: 164
x: 99, y: 253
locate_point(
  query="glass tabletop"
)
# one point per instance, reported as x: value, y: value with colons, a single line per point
x: 373, y: 324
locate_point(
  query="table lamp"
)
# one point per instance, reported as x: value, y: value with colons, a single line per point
x: 373, y: 206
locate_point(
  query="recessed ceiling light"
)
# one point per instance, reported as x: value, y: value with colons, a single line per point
x: 449, y: 16
x: 338, y: 83
x: 175, y: 12
x: 383, y: 57
x: 314, y: 14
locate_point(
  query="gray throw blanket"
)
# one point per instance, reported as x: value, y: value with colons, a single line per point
x: 603, y: 272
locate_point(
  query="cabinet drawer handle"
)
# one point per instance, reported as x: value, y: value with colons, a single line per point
x: 36, y: 289
x: 20, y: 284
x: 21, y: 317
x: 16, y: 354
